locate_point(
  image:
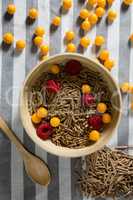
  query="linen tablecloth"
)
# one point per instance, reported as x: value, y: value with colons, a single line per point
x: 14, y: 183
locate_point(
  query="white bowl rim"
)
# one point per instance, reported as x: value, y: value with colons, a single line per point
x: 63, y: 151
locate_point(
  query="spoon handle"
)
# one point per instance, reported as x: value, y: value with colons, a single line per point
x: 11, y: 135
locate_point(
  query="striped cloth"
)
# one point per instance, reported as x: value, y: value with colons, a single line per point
x: 14, y: 183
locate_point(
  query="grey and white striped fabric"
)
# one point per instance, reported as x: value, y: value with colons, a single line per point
x: 14, y: 183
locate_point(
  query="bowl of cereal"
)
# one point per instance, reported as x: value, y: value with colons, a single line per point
x: 70, y: 105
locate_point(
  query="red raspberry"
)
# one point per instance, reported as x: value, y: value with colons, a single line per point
x: 88, y: 99
x: 53, y: 86
x: 44, y: 131
x: 95, y: 122
x: 73, y: 67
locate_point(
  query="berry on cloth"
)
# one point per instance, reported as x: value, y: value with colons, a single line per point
x: 8, y: 38
x: 56, y: 21
x: 20, y: 44
x: 11, y: 9
x: 33, y: 13
x: 39, y: 31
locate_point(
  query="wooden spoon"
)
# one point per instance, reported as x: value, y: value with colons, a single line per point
x: 34, y: 166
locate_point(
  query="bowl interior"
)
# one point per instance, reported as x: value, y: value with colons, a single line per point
x: 92, y: 65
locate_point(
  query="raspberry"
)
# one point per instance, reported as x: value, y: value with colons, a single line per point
x: 44, y: 131
x: 53, y: 86
x: 73, y: 67
x: 95, y: 122
x: 88, y: 99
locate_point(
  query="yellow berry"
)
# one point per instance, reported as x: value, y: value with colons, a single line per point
x: 86, y: 25
x: 94, y: 136
x: 93, y: 18
x: 33, y: 13
x: 92, y: 2
x: 124, y: 87
x: 56, y: 21
x: 42, y: 112
x: 11, y: 9
x: 99, y: 40
x: 128, y: 2
x: 110, y: 2
x: 130, y: 89
x: 20, y: 44
x: 101, y: 3
x: 84, y: 13
x: 54, y: 121
x: 38, y: 41
x: 106, y: 118
x: 70, y: 35
x: 86, y: 89
x: 55, y: 69
x: 85, y: 42
x: 104, y: 55
x: 39, y: 31
x: 131, y: 38
x: 8, y: 38
x: 44, y: 49
x: 71, y: 47
x: 35, y: 119
x: 101, y: 107
x: 112, y: 15
x: 67, y: 4
x: 100, y: 12
x: 109, y: 64
x: 132, y: 106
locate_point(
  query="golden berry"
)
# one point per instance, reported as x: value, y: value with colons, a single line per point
x: 110, y: 2
x: 104, y: 55
x: 35, y: 119
x: 56, y: 21
x: 112, y: 15
x: 100, y: 12
x: 42, y: 112
x: 67, y: 4
x: 99, y: 40
x: 84, y: 13
x: 93, y: 18
x: 92, y: 2
x: 94, y: 136
x: 128, y: 2
x: 132, y: 106
x: 101, y: 3
x: 33, y: 13
x: 20, y: 44
x: 131, y: 38
x: 38, y: 41
x: 109, y: 64
x: 71, y: 47
x: 44, y: 49
x: 54, y: 121
x: 54, y: 69
x: 70, y: 35
x: 85, y: 42
x: 106, y: 118
x: 11, y: 9
x: 39, y: 31
x: 86, y: 25
x: 101, y: 107
x: 86, y: 89
x: 124, y: 87
x: 130, y: 89
x: 8, y: 38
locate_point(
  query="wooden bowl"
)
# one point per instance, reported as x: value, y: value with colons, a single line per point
x: 92, y: 65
